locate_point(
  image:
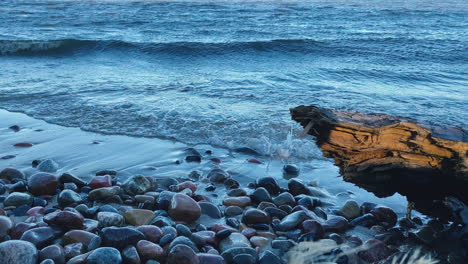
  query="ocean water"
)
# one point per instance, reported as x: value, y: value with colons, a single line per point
x: 226, y: 73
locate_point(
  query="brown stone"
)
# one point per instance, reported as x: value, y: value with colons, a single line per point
x: 100, y: 181
x: 43, y: 184
x: 241, y: 201
x: 183, y: 208
x: 138, y: 217
x: 149, y: 250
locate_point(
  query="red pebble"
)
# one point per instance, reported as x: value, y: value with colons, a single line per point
x: 256, y: 161
x: 23, y: 145
x: 100, y: 181
x: 187, y: 185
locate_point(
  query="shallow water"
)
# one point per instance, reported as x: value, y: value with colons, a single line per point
x: 225, y: 73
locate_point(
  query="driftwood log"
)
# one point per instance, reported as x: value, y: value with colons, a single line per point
x: 388, y: 154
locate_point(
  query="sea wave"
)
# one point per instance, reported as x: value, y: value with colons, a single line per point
x: 37, y: 47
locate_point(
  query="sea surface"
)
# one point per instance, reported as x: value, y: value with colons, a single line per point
x: 225, y: 73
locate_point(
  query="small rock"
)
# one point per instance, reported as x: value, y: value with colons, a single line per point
x: 292, y: 220
x: 233, y: 211
x: 53, y: 252
x: 104, y: 255
x: 103, y: 193
x: 232, y: 241
x: 181, y: 254
x: 110, y: 219
x: 130, y: 255
x: 152, y: 233
x: 282, y: 245
x: 217, y: 175
x: 18, y: 199
x: 259, y: 241
x: 229, y: 254
x: 270, y: 184
x: 69, y: 178
x: 183, y: 208
x: 313, y: 229
x: 336, y: 224
x: 48, y: 166
x: 241, y: 201
x: 65, y: 219
x: 120, y: 237
x: 268, y: 257
x: 137, y: 185
x: 164, y: 199
x: 43, y: 184
x: 350, y: 210
x: 386, y: 215
x: 11, y: 174
x: 89, y: 240
x: 291, y: 169
x: 375, y: 251
x: 210, y: 209
x: 68, y: 197
x: 73, y: 250
x: 23, y: 145
x: 255, y: 216
x: 5, y: 226
x: 367, y: 220
x: 100, y: 181
x: 40, y: 236
x: 138, y: 217
x: 284, y: 199
x: 260, y: 195
x: 149, y: 250
x: 297, y: 187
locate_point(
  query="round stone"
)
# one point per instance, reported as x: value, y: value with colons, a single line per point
x: 89, y: 240
x: 255, y: 216
x: 43, y: 184
x: 217, y: 175
x: 53, y: 252
x: 65, y: 219
x: 40, y: 237
x: 104, y: 255
x: 103, y: 193
x: 152, y: 233
x: 100, y: 181
x: 210, y: 210
x: 120, y: 237
x: 48, y: 166
x: 184, y: 208
x: 11, y: 174
x: 18, y: 199
x: 5, y: 226
x: 270, y: 184
x: 138, y: 217
x: 297, y: 187
x: 68, y: 197
x: 149, y: 250
x: 110, y: 219
x: 350, y: 210
x: 137, y: 185
x: 18, y: 252
x: 234, y: 240
x: 241, y: 201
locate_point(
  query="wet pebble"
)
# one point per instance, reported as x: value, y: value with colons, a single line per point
x: 184, y: 208
x: 104, y: 255
x: 138, y: 217
x: 43, y: 184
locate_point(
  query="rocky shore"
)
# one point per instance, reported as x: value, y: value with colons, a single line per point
x: 48, y: 218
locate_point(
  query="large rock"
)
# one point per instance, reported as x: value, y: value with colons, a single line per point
x: 184, y: 208
x: 18, y: 252
x: 43, y: 184
x: 388, y: 154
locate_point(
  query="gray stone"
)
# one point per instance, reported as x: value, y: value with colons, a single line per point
x: 18, y: 199
x: 137, y: 185
x: 68, y: 197
x: 104, y: 255
x: 48, y: 166
x: 210, y: 210
x: 110, y: 219
x: 18, y: 252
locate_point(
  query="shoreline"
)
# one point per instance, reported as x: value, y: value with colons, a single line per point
x: 271, y: 216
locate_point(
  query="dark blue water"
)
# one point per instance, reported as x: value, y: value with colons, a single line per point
x: 226, y: 73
